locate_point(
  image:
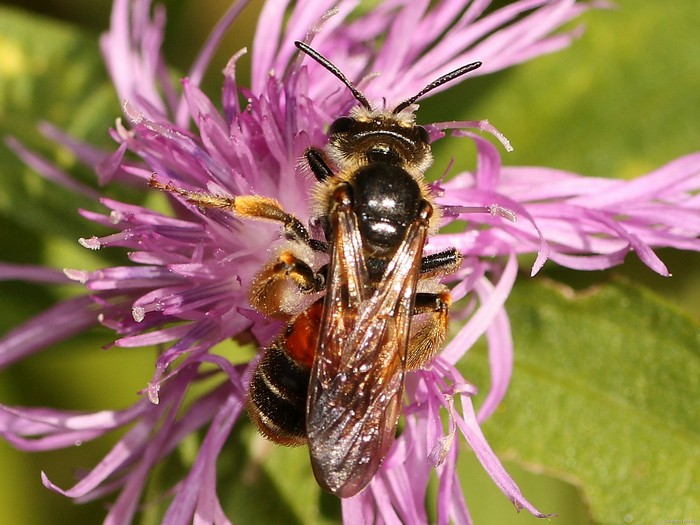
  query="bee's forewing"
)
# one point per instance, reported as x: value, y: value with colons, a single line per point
x: 357, y: 378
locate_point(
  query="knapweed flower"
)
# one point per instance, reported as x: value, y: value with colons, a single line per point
x: 186, y: 287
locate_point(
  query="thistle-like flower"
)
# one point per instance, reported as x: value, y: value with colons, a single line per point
x: 187, y: 286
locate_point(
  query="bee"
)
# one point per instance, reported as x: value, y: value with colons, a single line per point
x: 333, y: 380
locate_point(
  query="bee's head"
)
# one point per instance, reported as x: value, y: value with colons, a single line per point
x: 367, y: 136
x: 380, y: 135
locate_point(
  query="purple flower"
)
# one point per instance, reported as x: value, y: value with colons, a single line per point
x: 187, y: 285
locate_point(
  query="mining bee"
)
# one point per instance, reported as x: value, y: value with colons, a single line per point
x: 334, y: 379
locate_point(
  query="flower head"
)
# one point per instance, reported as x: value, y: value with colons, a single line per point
x: 187, y: 285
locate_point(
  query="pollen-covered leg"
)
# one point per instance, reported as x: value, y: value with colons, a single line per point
x: 249, y: 207
x: 274, y: 290
x: 429, y: 334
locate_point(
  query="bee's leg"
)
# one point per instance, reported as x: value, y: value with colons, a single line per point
x: 429, y: 334
x: 250, y: 207
x: 270, y: 292
x: 317, y: 162
x: 429, y: 331
x: 440, y: 263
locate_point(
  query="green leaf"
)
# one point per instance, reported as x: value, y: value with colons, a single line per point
x: 49, y: 71
x: 261, y: 472
x: 617, y: 103
x: 605, y: 394
x: 58, y: 78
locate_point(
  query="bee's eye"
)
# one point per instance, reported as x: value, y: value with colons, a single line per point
x: 341, y: 125
x: 422, y: 134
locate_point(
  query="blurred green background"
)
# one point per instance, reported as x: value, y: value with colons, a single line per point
x: 600, y: 425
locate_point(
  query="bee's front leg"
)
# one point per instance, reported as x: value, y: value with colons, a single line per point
x: 316, y: 160
x: 248, y: 207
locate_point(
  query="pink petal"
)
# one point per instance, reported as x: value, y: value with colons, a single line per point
x: 472, y: 433
x: 28, y: 272
x: 483, y: 317
x: 67, y: 319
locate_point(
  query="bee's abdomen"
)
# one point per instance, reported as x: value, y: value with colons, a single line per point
x: 277, y: 396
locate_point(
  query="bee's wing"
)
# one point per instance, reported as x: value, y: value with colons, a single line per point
x: 357, y: 377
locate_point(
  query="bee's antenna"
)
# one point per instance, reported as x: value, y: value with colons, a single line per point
x: 318, y: 57
x: 437, y: 83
